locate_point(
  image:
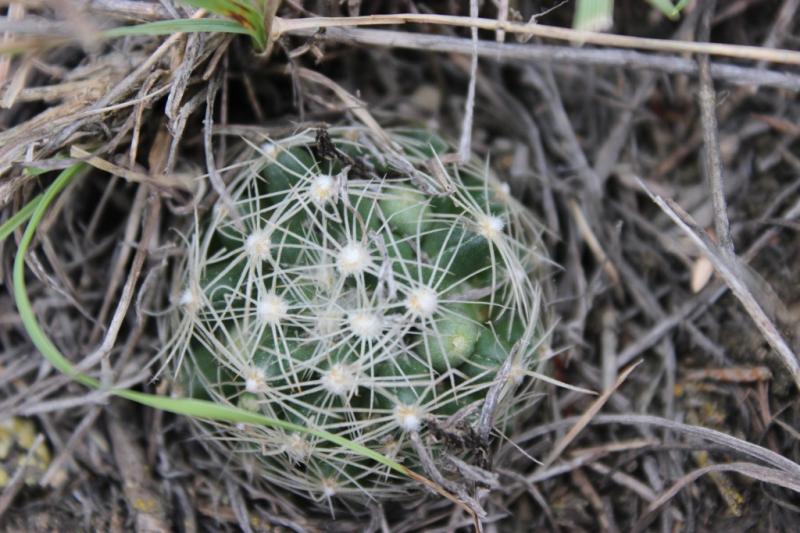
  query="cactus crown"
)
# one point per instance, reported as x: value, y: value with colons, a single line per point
x: 342, y: 297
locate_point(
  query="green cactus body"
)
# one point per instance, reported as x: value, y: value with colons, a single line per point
x: 343, y: 297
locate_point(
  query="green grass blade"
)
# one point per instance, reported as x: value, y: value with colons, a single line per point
x: 246, y: 17
x: 38, y: 336
x: 593, y: 15
x: 254, y: 16
x: 18, y: 218
x: 243, y: 12
x: 182, y: 406
x: 168, y: 27
x: 161, y: 27
x: 669, y: 10
x: 223, y: 413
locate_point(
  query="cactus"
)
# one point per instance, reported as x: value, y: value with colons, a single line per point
x: 365, y: 289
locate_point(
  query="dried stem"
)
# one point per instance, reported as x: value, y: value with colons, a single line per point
x: 282, y: 26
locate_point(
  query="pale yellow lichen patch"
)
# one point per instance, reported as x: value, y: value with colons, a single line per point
x: 144, y: 505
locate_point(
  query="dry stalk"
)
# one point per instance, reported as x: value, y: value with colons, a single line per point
x: 282, y: 26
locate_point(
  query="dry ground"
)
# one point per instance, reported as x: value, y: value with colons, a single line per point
x: 703, y: 435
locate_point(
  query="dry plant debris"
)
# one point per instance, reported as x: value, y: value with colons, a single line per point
x: 701, y: 289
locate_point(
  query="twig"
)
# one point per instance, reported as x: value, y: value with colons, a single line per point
x: 16, y: 12
x: 544, y: 82
x: 588, y: 456
x: 630, y: 483
x: 608, y: 347
x: 502, y: 17
x: 492, y: 399
x: 731, y: 375
x: 56, y: 465
x: 186, y: 59
x: 608, y: 154
x: 129, y: 9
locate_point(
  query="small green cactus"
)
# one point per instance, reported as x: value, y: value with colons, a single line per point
x: 364, y: 290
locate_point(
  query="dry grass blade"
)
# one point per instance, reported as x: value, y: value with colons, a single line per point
x: 585, y: 419
x: 734, y: 74
x: 465, y: 143
x: 353, y: 104
x: 162, y: 182
x: 713, y: 159
x: 761, y: 473
x: 592, y: 241
x: 283, y: 26
x: 719, y: 438
x: 729, y: 269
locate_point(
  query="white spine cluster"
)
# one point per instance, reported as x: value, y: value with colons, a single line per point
x: 490, y: 227
x: 422, y: 302
x: 255, y: 381
x: 258, y: 244
x: 340, y: 380
x: 272, y: 309
x: 353, y: 259
x: 409, y: 417
x: 323, y: 189
x: 366, y: 325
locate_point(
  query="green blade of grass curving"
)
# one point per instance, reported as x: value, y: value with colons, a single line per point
x: 18, y: 218
x: 183, y: 406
